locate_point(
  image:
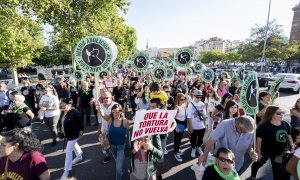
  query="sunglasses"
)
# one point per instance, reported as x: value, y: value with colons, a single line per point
x: 182, y: 99
x: 280, y: 113
x: 225, y: 160
x: 197, y: 97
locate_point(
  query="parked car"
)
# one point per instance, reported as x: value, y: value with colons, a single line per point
x: 291, y: 81
x: 264, y: 78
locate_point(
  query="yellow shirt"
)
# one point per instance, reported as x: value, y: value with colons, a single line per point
x: 162, y: 96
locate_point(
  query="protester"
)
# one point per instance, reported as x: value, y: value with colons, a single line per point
x: 212, y: 101
x: 85, y: 97
x: 222, y: 168
x: 295, y: 114
x: 103, y: 128
x: 142, y: 99
x: 28, y: 92
x: 292, y: 166
x: 49, y: 104
x: 156, y: 92
x: 73, y: 89
x: 118, y: 126
x: 21, y: 157
x: 218, y: 112
x: 196, y: 114
x: 234, y: 87
x: 235, y: 134
x: 21, y: 114
x: 119, y: 93
x: 61, y: 88
x: 264, y: 102
x: 71, y: 128
x: 273, y: 141
x: 181, y: 120
x: 170, y: 102
x: 223, y: 88
x: 4, y: 96
x: 231, y: 110
x: 143, y: 154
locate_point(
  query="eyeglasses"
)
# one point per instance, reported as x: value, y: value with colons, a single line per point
x: 280, y: 113
x: 182, y: 99
x: 225, y: 160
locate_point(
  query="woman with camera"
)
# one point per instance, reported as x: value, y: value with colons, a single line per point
x: 70, y: 127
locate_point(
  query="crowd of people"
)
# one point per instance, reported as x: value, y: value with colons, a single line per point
x: 209, y: 114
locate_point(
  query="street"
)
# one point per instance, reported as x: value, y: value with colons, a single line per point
x: 92, y: 167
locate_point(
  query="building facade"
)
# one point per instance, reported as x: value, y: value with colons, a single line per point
x: 295, y: 30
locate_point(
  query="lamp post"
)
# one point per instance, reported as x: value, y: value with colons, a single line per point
x: 266, y: 37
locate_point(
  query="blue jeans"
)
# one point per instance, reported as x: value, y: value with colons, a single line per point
x: 118, y: 151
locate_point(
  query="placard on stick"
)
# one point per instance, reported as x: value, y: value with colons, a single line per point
x: 152, y: 122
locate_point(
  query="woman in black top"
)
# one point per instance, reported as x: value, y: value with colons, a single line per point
x: 71, y: 126
x: 273, y: 140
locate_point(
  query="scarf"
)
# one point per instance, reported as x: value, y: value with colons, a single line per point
x: 19, y: 109
x: 231, y: 176
x: 85, y: 91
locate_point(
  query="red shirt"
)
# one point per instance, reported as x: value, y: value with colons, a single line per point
x: 28, y: 167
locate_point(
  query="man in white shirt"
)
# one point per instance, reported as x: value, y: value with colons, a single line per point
x: 196, y: 114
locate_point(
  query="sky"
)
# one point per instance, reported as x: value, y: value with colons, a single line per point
x: 178, y: 23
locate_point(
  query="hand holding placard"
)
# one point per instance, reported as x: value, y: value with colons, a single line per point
x: 147, y: 144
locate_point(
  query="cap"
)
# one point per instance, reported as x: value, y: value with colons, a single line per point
x: 198, y: 93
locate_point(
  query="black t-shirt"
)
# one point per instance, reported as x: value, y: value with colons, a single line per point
x: 119, y: 94
x: 28, y: 93
x: 274, y: 138
x: 21, y: 119
x: 85, y: 98
x: 219, y: 107
x: 134, y: 79
x: 170, y: 103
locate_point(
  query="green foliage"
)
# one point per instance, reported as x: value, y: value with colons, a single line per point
x: 20, y: 33
x: 211, y: 56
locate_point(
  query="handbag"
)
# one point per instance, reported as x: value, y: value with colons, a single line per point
x: 201, y: 115
x: 61, y: 135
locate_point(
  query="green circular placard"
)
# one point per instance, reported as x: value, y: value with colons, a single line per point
x: 129, y: 65
x: 240, y: 75
x: 78, y: 75
x: 198, y: 67
x: 159, y: 74
x: 170, y: 74
x: 249, y: 93
x: 183, y: 57
x: 140, y: 61
x: 103, y: 73
x: 120, y: 66
x: 207, y: 75
x: 72, y: 70
x: 94, y: 53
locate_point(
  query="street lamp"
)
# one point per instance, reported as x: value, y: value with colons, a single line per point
x: 265, y: 40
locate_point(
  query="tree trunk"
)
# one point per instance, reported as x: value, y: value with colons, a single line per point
x: 15, y: 77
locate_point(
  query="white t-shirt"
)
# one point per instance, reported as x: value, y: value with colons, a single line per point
x: 211, y: 104
x: 50, y: 101
x: 181, y: 114
x: 193, y: 115
x: 107, y: 112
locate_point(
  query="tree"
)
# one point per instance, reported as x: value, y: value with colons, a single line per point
x: 211, y: 56
x: 20, y: 34
x: 75, y: 19
x: 275, y: 45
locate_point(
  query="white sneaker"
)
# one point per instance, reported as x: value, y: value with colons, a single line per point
x: 178, y: 157
x: 166, y: 152
x: 65, y: 175
x: 193, y: 153
x: 77, y: 159
x: 199, y: 151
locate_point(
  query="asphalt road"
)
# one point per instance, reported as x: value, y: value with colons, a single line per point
x: 92, y: 167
